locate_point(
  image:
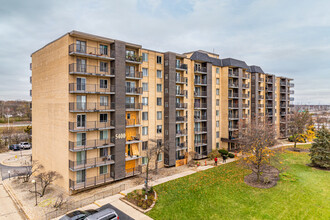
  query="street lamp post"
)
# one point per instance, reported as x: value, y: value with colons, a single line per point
x: 35, y: 190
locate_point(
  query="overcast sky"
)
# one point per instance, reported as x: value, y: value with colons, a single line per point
x: 287, y: 38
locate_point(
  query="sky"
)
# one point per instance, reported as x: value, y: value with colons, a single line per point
x: 286, y: 38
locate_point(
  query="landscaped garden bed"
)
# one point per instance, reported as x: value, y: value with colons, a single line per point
x: 141, y: 198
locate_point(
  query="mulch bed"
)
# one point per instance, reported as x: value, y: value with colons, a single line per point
x: 317, y: 167
x: 268, y: 179
x: 297, y: 149
x: 137, y: 197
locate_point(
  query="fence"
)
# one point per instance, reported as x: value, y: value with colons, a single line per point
x: 83, y: 202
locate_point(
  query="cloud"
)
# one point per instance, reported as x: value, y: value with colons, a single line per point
x: 283, y: 37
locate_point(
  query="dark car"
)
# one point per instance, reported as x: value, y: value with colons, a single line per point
x: 75, y: 215
x: 14, y: 147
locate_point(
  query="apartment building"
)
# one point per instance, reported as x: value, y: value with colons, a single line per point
x: 99, y: 103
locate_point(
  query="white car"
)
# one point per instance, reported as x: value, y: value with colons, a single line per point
x: 25, y: 145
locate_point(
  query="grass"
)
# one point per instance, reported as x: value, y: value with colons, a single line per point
x: 220, y: 193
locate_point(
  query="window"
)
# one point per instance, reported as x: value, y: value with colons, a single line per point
x: 103, y: 100
x: 218, y: 81
x: 145, y: 130
x: 81, y: 46
x: 144, y: 71
x: 159, y: 60
x: 217, y: 113
x: 159, y: 87
x: 145, y: 101
x: 144, y: 116
x: 159, y: 129
x: 103, y: 152
x: 81, y: 139
x: 217, y: 70
x: 144, y: 160
x: 144, y: 57
x: 217, y: 102
x: 217, y: 124
x: 217, y: 91
x: 159, y: 142
x: 145, y: 87
x: 103, y: 49
x: 218, y: 134
x: 103, y: 135
x: 160, y: 157
x: 218, y: 145
x: 103, y: 169
x: 159, y: 116
x: 159, y: 101
x: 159, y: 74
x: 103, y: 117
x: 81, y: 121
x: 103, y: 83
x: 145, y: 145
x: 103, y: 67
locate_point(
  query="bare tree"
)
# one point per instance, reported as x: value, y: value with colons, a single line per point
x: 256, y: 140
x: 46, y: 178
x: 28, y: 131
x: 298, y: 123
x: 149, y: 155
x: 30, y: 169
x: 157, y: 147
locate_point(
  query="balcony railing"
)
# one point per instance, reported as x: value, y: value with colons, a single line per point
x: 261, y: 105
x: 90, y: 163
x: 134, y: 90
x: 246, y: 76
x: 132, y: 122
x: 180, y: 92
x: 90, y: 125
x: 91, y: 144
x: 269, y: 97
x: 232, y: 85
x: 261, y: 96
x: 283, y: 105
x: 200, y: 129
x: 260, y: 114
x: 133, y: 171
x: 91, y: 106
x: 269, y: 106
x: 291, y: 85
x: 246, y: 86
x: 245, y: 105
x: 181, y: 105
x: 245, y: 96
x: 200, y: 105
x: 137, y: 106
x: 291, y: 92
x: 200, y: 93
x: 232, y: 105
x: 232, y: 95
x: 233, y: 74
x: 181, y: 79
x: 233, y: 127
x: 260, y: 79
x: 181, y: 146
x: 90, y: 70
x: 134, y: 75
x: 200, y: 69
x: 200, y: 118
x: 92, y: 52
x: 269, y: 89
x: 134, y: 58
x: 260, y: 88
x: 181, y: 118
x: 181, y: 132
x: 200, y: 142
x: 283, y: 83
x: 269, y: 80
x: 291, y: 99
x: 244, y: 116
x: 200, y: 82
x: 181, y: 66
x: 283, y: 90
x: 198, y: 156
x: 233, y: 116
x: 92, y: 181
x: 90, y: 88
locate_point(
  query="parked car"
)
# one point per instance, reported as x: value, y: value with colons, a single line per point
x: 25, y: 145
x: 75, y: 215
x: 14, y: 147
x: 104, y: 213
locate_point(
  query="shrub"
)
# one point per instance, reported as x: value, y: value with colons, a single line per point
x: 230, y: 155
x: 213, y: 154
x: 320, y: 150
x: 223, y: 152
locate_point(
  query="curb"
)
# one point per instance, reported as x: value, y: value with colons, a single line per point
x: 15, y: 200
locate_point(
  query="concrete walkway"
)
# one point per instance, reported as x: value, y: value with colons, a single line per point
x: 8, y: 209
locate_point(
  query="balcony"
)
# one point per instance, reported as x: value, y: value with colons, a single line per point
x: 91, y: 107
x: 245, y: 76
x: 182, y: 132
x: 233, y: 74
x: 199, y: 118
x: 283, y: 83
x: 133, y: 106
x: 132, y: 157
x: 232, y: 85
x: 260, y: 96
x: 200, y: 94
x: 233, y: 95
x: 198, y: 105
x: 269, y: 97
x: 200, y: 82
x: 245, y: 105
x: 30, y: 92
x: 269, y: 89
x: 291, y: 85
x: 181, y: 119
x: 269, y: 106
x: 198, y: 156
x: 133, y: 59
x: 134, y: 75
x: 181, y: 93
x: 233, y: 127
x: 91, y: 126
x: 283, y: 105
x: 245, y: 96
x: 244, y: 116
x: 181, y: 146
x: 291, y: 105
x: 261, y: 105
x: 261, y: 79
x: 134, y: 90
x: 181, y: 67
x: 133, y: 139
x: 181, y: 105
x: 291, y: 99
x: 291, y: 92
x: 283, y: 90
x: 246, y: 86
x: 283, y: 120
x: 202, y: 70
x: 90, y: 144
x: 75, y: 88
x: 282, y: 113
x: 261, y: 114
x: 91, y: 52
x: 90, y: 70
x: 92, y: 181
x: 232, y: 105
x: 131, y: 123
x: 200, y: 130
x: 260, y: 88
x: 269, y: 80
x: 181, y: 79
x: 133, y: 171
x: 233, y: 117
x: 91, y: 163
x: 200, y: 142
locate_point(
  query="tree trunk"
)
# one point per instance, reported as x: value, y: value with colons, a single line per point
x: 295, y: 143
x: 147, y: 177
x: 156, y: 165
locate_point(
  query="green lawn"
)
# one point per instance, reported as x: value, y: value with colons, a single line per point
x: 220, y: 193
